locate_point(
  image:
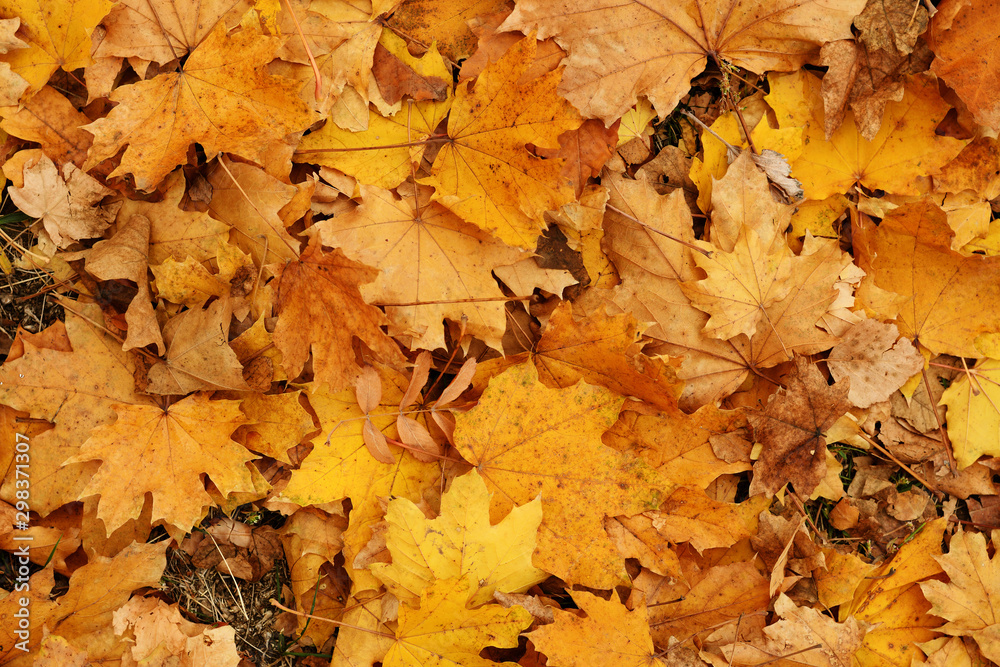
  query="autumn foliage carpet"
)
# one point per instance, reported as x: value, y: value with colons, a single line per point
x: 465, y: 332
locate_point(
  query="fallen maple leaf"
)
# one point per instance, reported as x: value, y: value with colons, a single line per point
x: 340, y: 465
x: 250, y: 201
x: 460, y: 543
x: 526, y: 439
x: 251, y: 110
x: 443, y: 631
x: 689, y: 515
x: 659, y: 47
x: 950, y: 298
x: 485, y: 173
x: 171, y: 449
x: 64, y: 199
x: 968, y: 601
x: 683, y: 447
x: 158, y: 631
x: 163, y: 30
x: 890, y: 600
x: 440, y: 266
x: 51, y: 120
x: 716, y: 596
x: 320, y: 309
x: 609, y: 635
x: 604, y: 350
x: 966, y: 55
x: 905, y: 148
x: 876, y: 363
x: 175, y: 232
x: 429, y: 21
x: 865, y: 80
x: 198, y: 353
x: 58, y: 35
x: 810, y: 636
x: 741, y: 284
x: 793, y: 431
x: 83, y: 615
x: 74, y: 386
x: 973, y: 415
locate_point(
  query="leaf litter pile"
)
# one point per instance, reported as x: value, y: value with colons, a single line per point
x: 475, y: 332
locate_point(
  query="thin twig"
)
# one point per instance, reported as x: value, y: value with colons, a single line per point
x: 885, y: 452
x: 944, y: 434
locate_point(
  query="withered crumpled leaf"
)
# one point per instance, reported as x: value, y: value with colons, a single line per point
x: 64, y: 199
x: 125, y: 256
x: 792, y: 429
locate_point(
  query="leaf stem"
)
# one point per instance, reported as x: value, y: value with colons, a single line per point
x: 706, y: 253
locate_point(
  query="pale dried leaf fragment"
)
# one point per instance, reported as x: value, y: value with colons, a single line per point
x: 875, y: 361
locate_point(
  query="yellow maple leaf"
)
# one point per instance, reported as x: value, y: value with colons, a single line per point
x: 527, y: 439
x: 459, y: 543
x: 384, y: 153
x: 969, y: 600
x: 713, y: 165
x: 905, y: 149
x: 610, y: 634
x: 660, y: 46
x: 889, y: 599
x: 741, y: 284
x: 165, y: 452
x: 226, y: 76
x: 485, y: 174
x: 973, y: 417
x: 58, y: 35
x: 443, y: 631
x: 340, y: 465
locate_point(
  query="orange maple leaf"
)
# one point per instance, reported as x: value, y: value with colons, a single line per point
x: 623, y: 635
x: 170, y: 450
x: 486, y: 174
x: 320, y: 309
x: 252, y: 111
